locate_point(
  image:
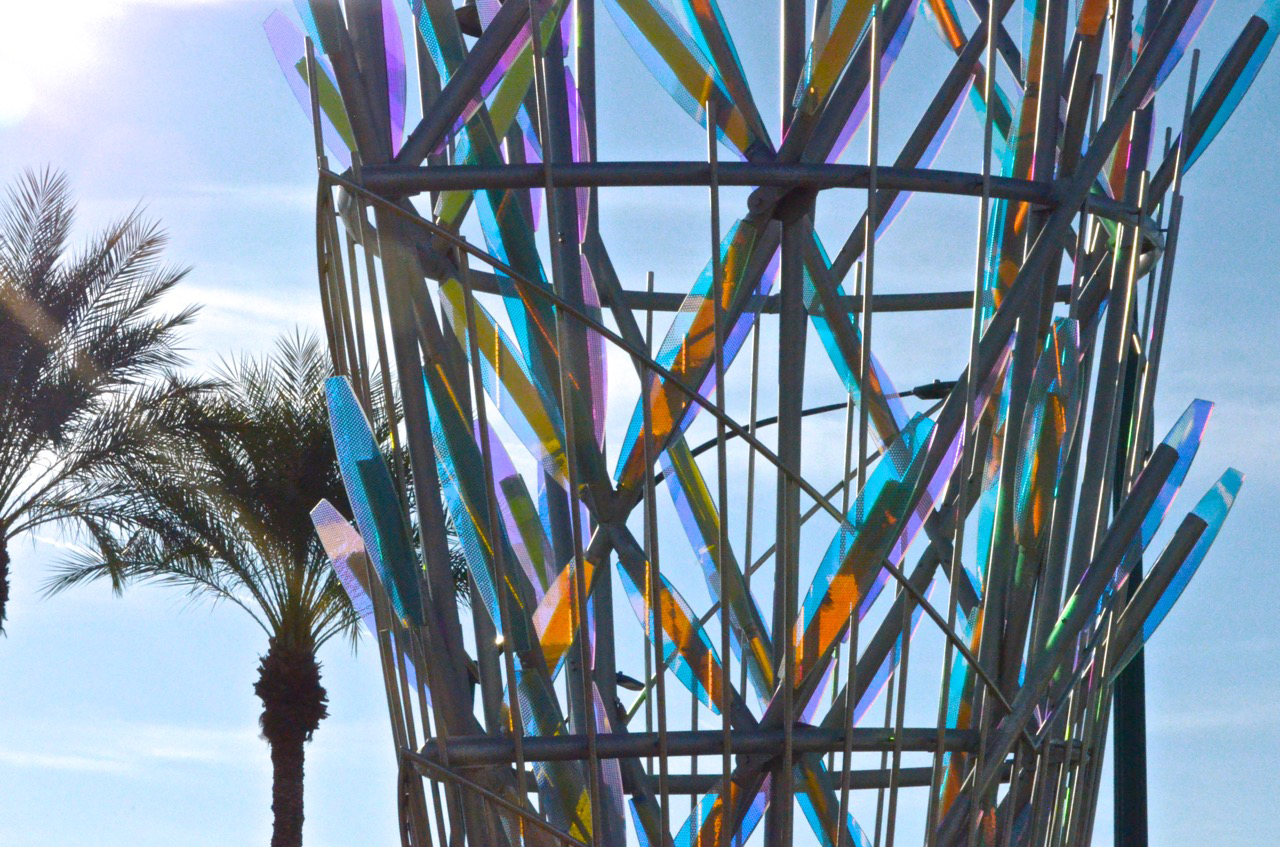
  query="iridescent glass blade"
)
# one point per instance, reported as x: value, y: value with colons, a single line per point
x: 1268, y: 13
x: 393, y: 42
x: 676, y: 62
x: 1045, y: 432
x: 723, y: 575
x: 702, y: 827
x: 849, y: 572
x: 289, y: 46
x: 374, y: 501
x: 688, y: 348
x: 1212, y: 509
x: 350, y: 560
x: 528, y: 408
x: 686, y: 649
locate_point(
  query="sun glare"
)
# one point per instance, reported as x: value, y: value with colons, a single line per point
x: 54, y: 44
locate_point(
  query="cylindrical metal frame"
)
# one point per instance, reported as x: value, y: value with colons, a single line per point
x: 1017, y: 705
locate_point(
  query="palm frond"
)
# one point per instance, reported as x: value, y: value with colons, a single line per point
x: 81, y: 348
x: 220, y: 506
x: 34, y: 226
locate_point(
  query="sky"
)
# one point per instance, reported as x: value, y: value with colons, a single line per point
x: 132, y: 720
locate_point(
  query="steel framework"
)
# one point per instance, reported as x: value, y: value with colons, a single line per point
x: 473, y: 442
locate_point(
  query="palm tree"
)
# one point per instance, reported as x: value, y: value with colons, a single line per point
x: 81, y: 347
x: 228, y: 517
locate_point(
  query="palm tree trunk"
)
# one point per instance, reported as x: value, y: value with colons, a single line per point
x: 4, y: 580
x: 286, y: 791
x: 293, y: 704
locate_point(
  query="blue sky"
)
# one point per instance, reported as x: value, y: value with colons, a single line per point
x: 132, y: 721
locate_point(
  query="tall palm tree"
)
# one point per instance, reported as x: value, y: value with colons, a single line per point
x: 228, y: 517
x: 81, y: 347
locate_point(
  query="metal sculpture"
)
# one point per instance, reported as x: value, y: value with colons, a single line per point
x: 1029, y: 492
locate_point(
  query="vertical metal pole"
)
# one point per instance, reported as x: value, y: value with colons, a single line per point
x: 1093, y: 508
x: 853, y: 613
x: 392, y: 683
x: 984, y: 225
x: 722, y: 470
x: 449, y: 695
x: 398, y: 470
x: 1129, y: 733
x: 899, y: 718
x: 649, y: 664
x: 324, y: 206
x: 606, y: 665
x: 314, y: 91
x: 869, y: 251
x: 1065, y: 775
x: 653, y: 577
x: 890, y: 694
x: 324, y: 264
x: 585, y: 49
x: 508, y: 647
x: 844, y: 838
x: 1153, y: 340
x: 749, y: 509
x: 793, y: 326
x: 792, y: 330
x: 338, y: 302
x: 1130, y: 698
x: 561, y: 212
x: 793, y: 36
x: 693, y: 725
x: 357, y: 315
x: 428, y: 91
x: 1146, y: 387
x: 447, y: 632
x: 865, y: 361
x: 1085, y: 799
x: 406, y: 642
x: 968, y: 457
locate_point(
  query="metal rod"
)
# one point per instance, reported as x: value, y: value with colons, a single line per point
x: 313, y: 91
x: 464, y: 83
x: 323, y: 252
x: 847, y: 780
x: 398, y: 181
x: 791, y: 52
x: 357, y: 315
x: 447, y: 674
x: 1084, y: 601
x: 954, y: 86
x: 482, y: 750
x: 844, y: 507
x: 792, y: 332
x: 662, y: 301
x: 722, y: 461
x: 653, y: 582
x: 516, y: 718
x: 434, y: 769
x: 563, y: 273
x: 868, y: 268
x: 843, y: 836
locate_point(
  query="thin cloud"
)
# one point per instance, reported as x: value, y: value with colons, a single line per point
x: 126, y: 748
x: 238, y: 302
x: 61, y: 762
x: 275, y: 195
x: 1258, y: 715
